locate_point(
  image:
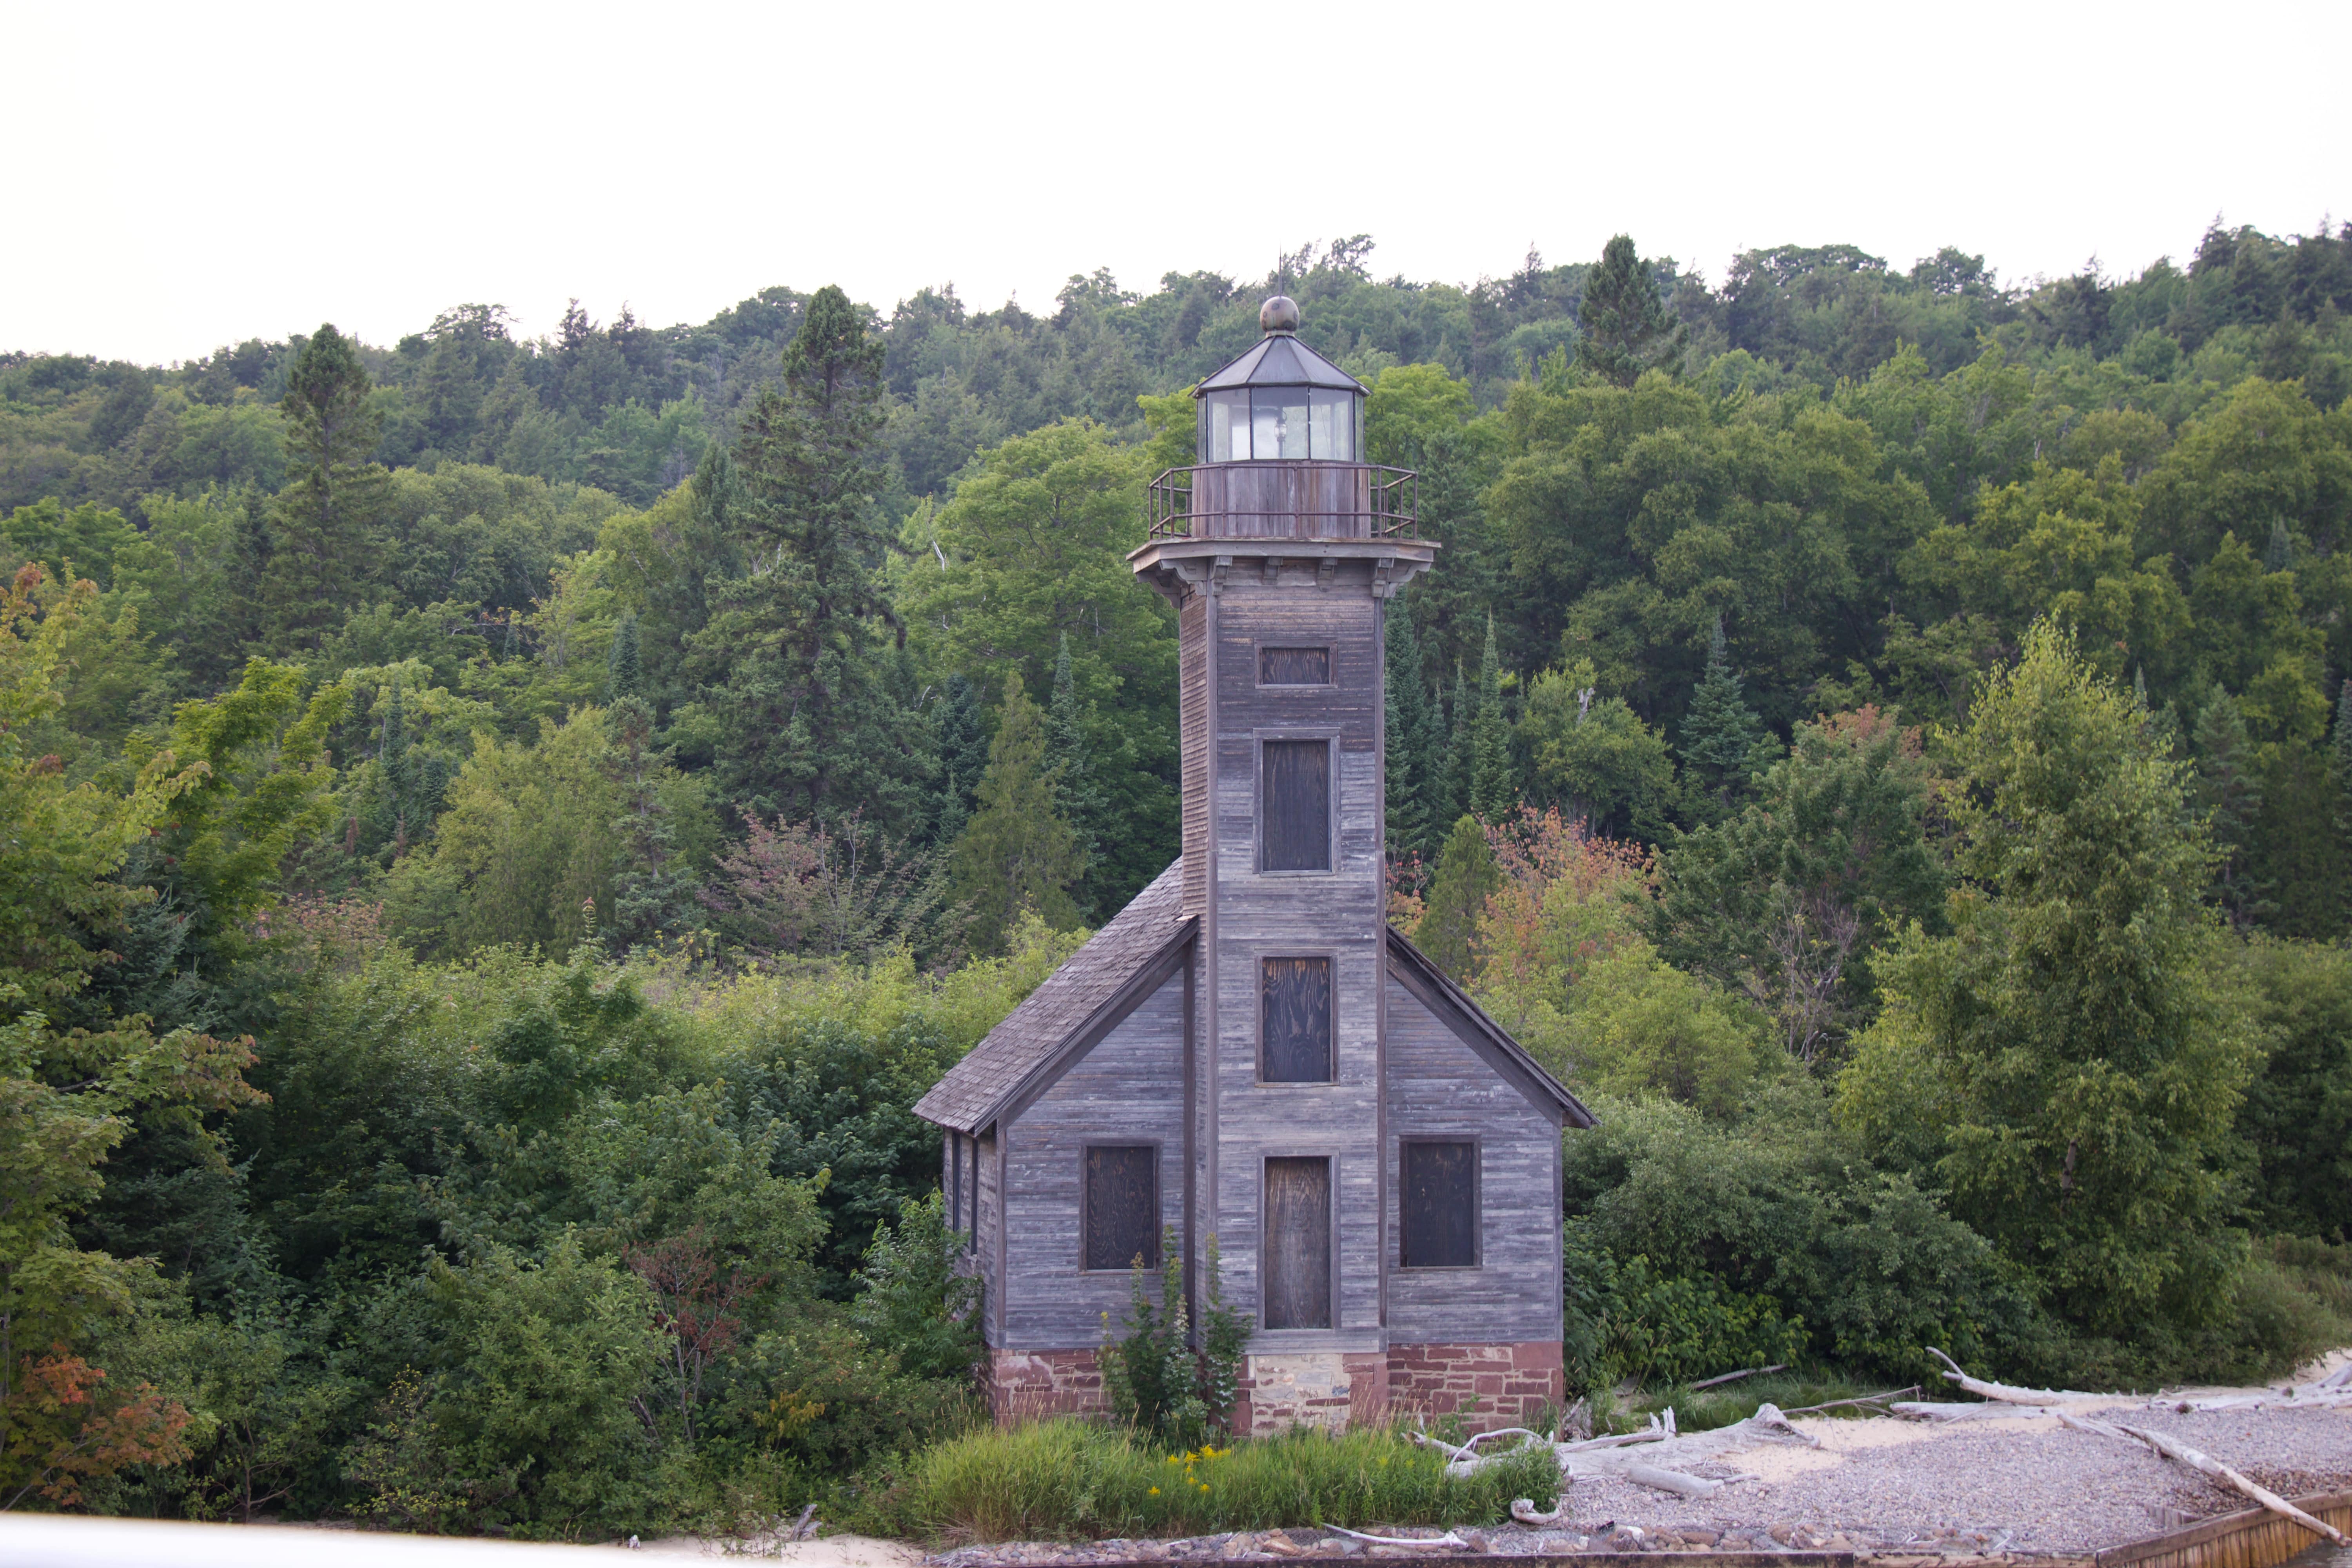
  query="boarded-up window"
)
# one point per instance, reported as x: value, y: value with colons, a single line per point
x: 1439, y: 1206
x: 1296, y: 819
x: 1294, y: 666
x: 1294, y: 1010
x: 1122, y: 1207
x: 1298, y: 1243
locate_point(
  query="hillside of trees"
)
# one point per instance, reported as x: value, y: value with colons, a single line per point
x: 500, y: 831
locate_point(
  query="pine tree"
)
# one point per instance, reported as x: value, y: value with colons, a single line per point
x: 1466, y: 877
x: 2279, y: 555
x: 1407, y: 725
x: 1019, y: 852
x: 963, y: 754
x: 2230, y: 798
x: 1455, y: 763
x: 1721, y: 738
x: 322, y: 533
x: 1494, y: 790
x: 624, y: 673
x: 1627, y: 327
x: 795, y: 646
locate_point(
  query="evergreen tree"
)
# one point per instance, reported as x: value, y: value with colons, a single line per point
x: 2279, y: 554
x: 1722, y: 744
x: 1406, y: 722
x: 2340, y: 768
x: 2229, y: 799
x: 1019, y: 852
x: 1494, y: 788
x: 321, y: 545
x: 1455, y: 765
x: 963, y: 754
x: 1627, y: 327
x: 625, y: 672
x: 409, y: 788
x: 805, y: 699
x: 1466, y: 878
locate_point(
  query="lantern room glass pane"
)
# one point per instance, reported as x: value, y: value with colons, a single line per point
x: 1277, y: 422
x: 1225, y: 427
x: 1332, y: 423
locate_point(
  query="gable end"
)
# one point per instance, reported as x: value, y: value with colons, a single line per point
x: 1448, y: 1002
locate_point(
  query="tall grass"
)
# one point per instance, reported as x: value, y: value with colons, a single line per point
x: 1067, y: 1480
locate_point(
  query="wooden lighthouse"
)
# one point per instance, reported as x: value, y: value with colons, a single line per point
x: 1248, y: 1050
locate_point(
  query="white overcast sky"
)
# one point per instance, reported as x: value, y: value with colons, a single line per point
x: 181, y: 176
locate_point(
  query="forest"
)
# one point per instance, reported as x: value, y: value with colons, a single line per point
x: 500, y: 831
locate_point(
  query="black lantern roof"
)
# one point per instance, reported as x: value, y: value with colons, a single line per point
x: 1279, y: 359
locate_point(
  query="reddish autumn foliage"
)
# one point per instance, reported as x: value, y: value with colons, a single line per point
x: 59, y: 1427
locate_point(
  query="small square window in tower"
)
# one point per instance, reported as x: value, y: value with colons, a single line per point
x: 1298, y: 1243
x: 1438, y: 1208
x: 1294, y: 1020
x: 1122, y: 1206
x: 1294, y: 666
x: 1295, y: 811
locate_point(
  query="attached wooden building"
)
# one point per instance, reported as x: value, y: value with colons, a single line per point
x: 1248, y: 1050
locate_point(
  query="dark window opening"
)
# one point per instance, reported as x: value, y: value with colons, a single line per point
x: 1294, y: 666
x: 1298, y: 1243
x: 1438, y: 1207
x: 1122, y: 1207
x: 1296, y: 815
x: 1294, y: 1020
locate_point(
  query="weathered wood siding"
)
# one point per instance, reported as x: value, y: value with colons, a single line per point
x: 1440, y: 1087
x: 1337, y: 914
x: 1192, y: 674
x: 1283, y: 500
x: 989, y: 1250
x: 1130, y: 1088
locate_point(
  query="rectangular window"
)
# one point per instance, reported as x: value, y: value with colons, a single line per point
x: 1294, y: 666
x: 1438, y: 1207
x: 1294, y: 1020
x: 1295, y: 812
x: 1122, y: 1206
x: 1298, y: 1243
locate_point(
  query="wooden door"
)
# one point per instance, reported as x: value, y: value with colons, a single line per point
x: 1298, y: 1243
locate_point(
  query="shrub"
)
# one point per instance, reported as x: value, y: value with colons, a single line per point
x: 1158, y: 1382
x: 1073, y: 1480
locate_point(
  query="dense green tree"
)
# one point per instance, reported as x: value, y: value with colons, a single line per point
x: 624, y: 667
x: 1494, y: 781
x: 963, y: 756
x: 2230, y: 797
x: 1627, y: 327
x: 792, y: 650
x: 2060, y: 1061
x: 1723, y: 747
x: 1018, y: 854
x: 323, y: 550
x: 1410, y: 759
x: 1595, y: 759
x: 1466, y: 876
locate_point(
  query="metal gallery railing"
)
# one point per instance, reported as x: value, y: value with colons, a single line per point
x: 1393, y: 507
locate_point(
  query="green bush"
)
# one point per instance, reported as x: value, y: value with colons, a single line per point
x: 1171, y: 1392
x: 1628, y: 1320
x: 1074, y: 1480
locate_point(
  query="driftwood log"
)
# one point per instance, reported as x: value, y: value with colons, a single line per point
x: 1735, y: 1377
x: 2005, y: 1393
x: 2173, y: 1448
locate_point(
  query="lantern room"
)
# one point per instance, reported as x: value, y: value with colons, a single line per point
x: 1281, y: 401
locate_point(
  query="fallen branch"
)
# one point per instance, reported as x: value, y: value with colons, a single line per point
x: 1933, y: 1410
x: 1525, y: 1510
x: 2173, y: 1448
x: 1844, y: 1403
x: 1448, y: 1539
x: 2003, y: 1392
x: 1671, y: 1481
x: 2301, y: 1400
x: 1735, y: 1377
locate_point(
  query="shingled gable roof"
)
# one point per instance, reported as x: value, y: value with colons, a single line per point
x: 1093, y: 988
x: 1436, y: 991
x: 1126, y: 961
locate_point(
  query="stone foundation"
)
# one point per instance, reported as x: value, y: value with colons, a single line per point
x: 1029, y: 1385
x: 1487, y: 1386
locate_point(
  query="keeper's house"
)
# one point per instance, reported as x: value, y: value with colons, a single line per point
x: 1248, y: 1050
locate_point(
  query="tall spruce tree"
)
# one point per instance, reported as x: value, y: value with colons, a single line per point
x: 1627, y: 327
x: 1075, y: 790
x: 796, y: 649
x: 322, y: 539
x: 1455, y: 765
x: 1722, y: 743
x: 1494, y: 787
x: 2230, y: 798
x: 1019, y: 852
x: 1407, y: 726
x: 963, y: 755
x: 624, y: 669
x: 1466, y: 878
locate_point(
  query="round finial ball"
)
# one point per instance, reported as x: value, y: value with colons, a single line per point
x: 1280, y: 314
